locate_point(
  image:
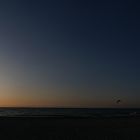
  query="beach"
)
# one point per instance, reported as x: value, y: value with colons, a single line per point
x: 69, y: 128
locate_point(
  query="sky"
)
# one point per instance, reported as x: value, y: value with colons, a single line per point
x: 80, y: 53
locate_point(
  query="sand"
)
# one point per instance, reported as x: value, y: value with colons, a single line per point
x: 37, y: 128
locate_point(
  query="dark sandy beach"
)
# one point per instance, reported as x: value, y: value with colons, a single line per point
x: 37, y: 128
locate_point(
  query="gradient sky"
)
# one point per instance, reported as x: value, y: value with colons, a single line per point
x: 80, y: 53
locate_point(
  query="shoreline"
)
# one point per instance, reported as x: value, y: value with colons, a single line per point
x: 38, y: 128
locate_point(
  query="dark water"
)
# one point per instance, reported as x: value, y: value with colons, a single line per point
x: 68, y: 112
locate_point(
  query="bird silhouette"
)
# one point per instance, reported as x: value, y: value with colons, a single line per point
x: 118, y: 101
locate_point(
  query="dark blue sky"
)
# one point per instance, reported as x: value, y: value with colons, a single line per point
x: 72, y: 53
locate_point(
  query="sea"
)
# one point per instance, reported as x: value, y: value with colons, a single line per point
x: 70, y: 112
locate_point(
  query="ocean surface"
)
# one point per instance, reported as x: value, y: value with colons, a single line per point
x: 68, y: 112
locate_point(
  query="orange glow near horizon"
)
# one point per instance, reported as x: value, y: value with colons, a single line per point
x: 27, y: 97
x: 21, y: 97
x: 18, y: 98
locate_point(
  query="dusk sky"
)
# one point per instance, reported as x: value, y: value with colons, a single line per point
x: 81, y: 53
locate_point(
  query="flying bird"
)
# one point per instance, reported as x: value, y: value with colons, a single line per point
x: 118, y: 101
